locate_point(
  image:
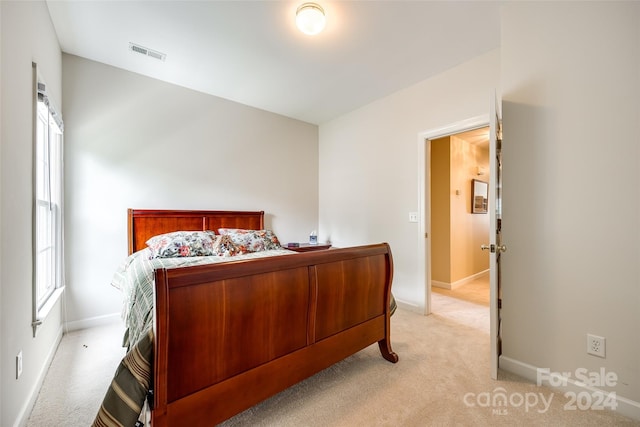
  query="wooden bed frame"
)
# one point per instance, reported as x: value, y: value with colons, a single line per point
x: 230, y: 335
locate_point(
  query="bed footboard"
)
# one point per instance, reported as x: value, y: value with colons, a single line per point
x: 231, y: 335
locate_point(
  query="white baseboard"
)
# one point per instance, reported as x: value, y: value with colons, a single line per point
x: 624, y: 406
x: 409, y: 306
x: 441, y: 285
x: 458, y: 283
x: 91, y: 322
x: 25, y: 412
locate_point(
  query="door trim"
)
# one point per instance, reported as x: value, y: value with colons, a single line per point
x: 424, y: 159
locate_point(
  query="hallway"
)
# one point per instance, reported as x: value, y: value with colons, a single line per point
x: 476, y: 291
x: 467, y: 304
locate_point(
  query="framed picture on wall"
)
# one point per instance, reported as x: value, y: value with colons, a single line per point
x: 479, y: 196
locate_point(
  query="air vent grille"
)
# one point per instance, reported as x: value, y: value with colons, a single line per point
x: 147, y: 52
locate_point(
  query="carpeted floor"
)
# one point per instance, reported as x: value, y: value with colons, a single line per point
x: 78, y: 377
x: 442, y: 379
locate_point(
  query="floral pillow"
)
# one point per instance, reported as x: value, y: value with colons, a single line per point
x: 182, y: 244
x: 252, y: 240
x: 224, y: 246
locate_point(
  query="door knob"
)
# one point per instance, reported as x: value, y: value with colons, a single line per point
x: 493, y: 248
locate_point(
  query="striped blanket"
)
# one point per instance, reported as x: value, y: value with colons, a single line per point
x: 125, y: 397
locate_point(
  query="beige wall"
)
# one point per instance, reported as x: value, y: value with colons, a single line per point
x: 571, y: 207
x: 370, y: 163
x: 26, y: 35
x: 441, y: 210
x: 456, y: 233
x: 136, y: 142
x: 468, y: 230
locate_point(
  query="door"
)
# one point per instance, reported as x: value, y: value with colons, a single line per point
x: 495, y: 215
x: 495, y: 246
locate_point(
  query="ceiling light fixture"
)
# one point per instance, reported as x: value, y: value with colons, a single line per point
x: 310, y: 18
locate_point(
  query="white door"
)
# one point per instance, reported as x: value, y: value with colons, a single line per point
x: 495, y: 245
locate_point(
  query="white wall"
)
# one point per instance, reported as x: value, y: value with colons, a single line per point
x: 369, y: 165
x: 571, y: 103
x: 135, y: 142
x: 27, y: 35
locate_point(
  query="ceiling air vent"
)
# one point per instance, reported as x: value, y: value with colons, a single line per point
x: 147, y: 52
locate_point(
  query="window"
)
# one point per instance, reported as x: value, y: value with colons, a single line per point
x: 48, y: 276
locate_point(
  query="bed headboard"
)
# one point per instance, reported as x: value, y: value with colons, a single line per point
x: 144, y: 224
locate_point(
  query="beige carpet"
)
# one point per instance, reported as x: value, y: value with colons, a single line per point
x: 78, y: 377
x: 443, y: 357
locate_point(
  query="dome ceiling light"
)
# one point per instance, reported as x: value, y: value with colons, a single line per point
x: 310, y: 18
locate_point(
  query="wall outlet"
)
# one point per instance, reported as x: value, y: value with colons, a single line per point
x: 596, y: 345
x: 19, y: 364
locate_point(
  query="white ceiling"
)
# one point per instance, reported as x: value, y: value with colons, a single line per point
x: 250, y: 51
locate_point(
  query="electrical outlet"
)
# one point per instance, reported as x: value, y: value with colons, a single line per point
x: 19, y: 364
x: 596, y: 345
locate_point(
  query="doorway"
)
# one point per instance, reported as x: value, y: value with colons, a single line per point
x: 424, y: 154
x: 459, y: 225
x: 494, y: 204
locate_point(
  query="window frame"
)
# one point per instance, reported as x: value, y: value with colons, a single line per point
x: 47, y: 215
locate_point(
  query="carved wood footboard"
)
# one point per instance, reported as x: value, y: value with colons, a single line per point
x: 231, y: 335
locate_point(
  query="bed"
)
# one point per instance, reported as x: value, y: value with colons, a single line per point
x: 224, y: 336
